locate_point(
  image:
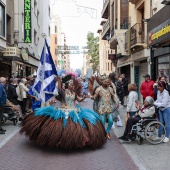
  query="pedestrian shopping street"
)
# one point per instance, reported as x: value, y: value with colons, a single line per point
x: 17, y: 152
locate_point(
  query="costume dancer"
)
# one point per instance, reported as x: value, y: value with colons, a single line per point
x: 104, y: 106
x: 68, y: 127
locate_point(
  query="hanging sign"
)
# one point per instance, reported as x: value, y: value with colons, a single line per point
x: 27, y: 21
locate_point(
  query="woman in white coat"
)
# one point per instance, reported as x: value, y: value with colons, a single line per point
x: 132, y: 98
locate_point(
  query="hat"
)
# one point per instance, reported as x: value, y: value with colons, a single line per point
x: 147, y: 75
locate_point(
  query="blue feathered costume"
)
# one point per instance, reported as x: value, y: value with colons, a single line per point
x: 68, y: 127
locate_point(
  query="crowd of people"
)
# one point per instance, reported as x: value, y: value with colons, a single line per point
x: 107, y: 92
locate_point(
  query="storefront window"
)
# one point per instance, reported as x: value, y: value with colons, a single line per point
x: 164, y: 67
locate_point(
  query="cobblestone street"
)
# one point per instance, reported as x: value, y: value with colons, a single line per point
x: 21, y: 154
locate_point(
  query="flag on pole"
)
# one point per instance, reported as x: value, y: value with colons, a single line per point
x: 45, y: 85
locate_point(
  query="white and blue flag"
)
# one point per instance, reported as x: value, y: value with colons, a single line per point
x: 45, y: 85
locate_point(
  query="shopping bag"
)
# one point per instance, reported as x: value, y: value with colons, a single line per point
x: 119, y: 122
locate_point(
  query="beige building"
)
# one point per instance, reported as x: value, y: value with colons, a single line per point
x: 86, y: 63
x: 105, y: 64
x: 55, y: 38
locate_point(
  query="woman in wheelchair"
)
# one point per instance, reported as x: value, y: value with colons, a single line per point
x: 147, y: 110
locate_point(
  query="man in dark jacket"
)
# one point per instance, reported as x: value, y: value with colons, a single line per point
x: 3, y: 98
x: 146, y: 87
x: 125, y: 89
x: 12, y: 94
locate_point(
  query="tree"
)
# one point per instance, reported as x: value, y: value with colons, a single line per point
x: 93, y: 49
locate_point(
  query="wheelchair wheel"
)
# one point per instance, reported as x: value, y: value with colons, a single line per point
x: 151, y: 132
x: 140, y: 140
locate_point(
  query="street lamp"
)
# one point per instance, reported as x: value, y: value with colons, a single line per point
x: 166, y: 2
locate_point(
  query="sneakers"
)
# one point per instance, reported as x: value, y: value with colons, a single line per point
x: 2, y: 131
x: 166, y: 140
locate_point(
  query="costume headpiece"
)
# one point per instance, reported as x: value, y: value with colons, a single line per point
x: 103, y: 77
x: 67, y: 80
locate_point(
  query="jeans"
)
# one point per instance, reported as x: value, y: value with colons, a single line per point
x: 164, y: 117
x: 110, y: 121
x: 131, y: 114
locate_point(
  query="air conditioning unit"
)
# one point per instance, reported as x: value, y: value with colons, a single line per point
x: 154, y: 6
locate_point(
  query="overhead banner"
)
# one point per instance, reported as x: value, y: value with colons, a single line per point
x: 27, y: 21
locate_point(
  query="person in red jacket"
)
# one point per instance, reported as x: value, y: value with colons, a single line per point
x: 146, y: 87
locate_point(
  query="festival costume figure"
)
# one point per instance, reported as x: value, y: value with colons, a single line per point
x: 105, y: 105
x: 68, y: 127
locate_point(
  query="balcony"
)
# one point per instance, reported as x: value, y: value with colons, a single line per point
x: 105, y: 11
x: 126, y: 40
x: 117, y: 41
x: 133, y: 1
x: 106, y: 29
x: 138, y: 35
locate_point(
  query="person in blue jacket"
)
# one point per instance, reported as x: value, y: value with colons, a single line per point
x: 3, y: 98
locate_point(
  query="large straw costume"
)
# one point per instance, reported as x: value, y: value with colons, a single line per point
x: 69, y: 127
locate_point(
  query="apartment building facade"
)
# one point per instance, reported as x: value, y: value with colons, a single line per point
x: 159, y: 39
x: 55, y: 39
x: 25, y: 21
x: 105, y: 51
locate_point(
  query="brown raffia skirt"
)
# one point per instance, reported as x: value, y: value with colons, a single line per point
x: 50, y: 133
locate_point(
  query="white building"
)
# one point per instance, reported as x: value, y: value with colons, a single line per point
x: 26, y: 45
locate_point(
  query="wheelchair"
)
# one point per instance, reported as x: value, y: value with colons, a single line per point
x: 9, y: 114
x: 147, y: 128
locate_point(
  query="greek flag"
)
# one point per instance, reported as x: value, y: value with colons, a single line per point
x: 45, y: 85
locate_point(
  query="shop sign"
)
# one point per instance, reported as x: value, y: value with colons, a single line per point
x: 27, y: 21
x: 24, y: 55
x: 160, y: 33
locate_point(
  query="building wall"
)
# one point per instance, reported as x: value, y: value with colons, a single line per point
x: 2, y: 38
x: 105, y: 65
x: 40, y: 24
x: 55, y: 37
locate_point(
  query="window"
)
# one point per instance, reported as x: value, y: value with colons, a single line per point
x: 2, y: 20
x: 55, y: 40
x: 35, y: 37
x: 55, y: 29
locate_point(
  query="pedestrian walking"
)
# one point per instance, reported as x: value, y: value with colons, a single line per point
x: 106, y: 98
x: 146, y: 87
x: 120, y: 90
x: 3, y: 98
x: 12, y: 94
x: 125, y: 83
x: 131, y: 100
x: 22, y: 97
x: 163, y: 103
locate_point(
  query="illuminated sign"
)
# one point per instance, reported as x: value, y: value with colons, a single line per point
x: 27, y: 21
x: 160, y: 33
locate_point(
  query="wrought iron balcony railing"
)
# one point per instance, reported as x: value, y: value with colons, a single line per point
x: 137, y: 34
x: 106, y: 25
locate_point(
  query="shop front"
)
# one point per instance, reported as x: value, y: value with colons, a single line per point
x: 159, y: 43
x: 16, y: 63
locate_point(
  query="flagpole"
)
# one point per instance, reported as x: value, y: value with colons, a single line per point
x: 43, y: 68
